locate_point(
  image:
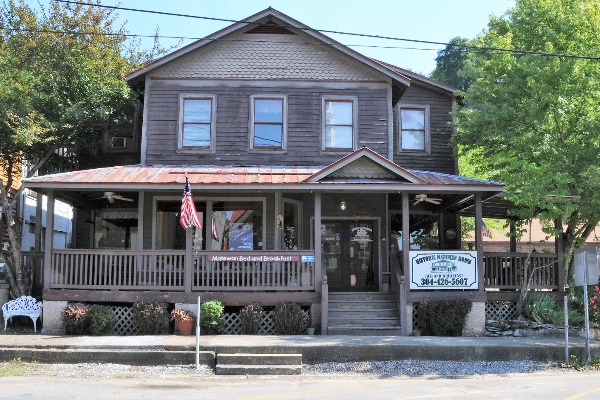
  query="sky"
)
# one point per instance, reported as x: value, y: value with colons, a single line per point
x: 429, y: 20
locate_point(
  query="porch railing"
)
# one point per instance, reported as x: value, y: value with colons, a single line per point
x: 505, y: 271
x: 164, y: 270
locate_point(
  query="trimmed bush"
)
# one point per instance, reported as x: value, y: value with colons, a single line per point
x: 288, y: 319
x: 443, y: 317
x: 75, y: 319
x: 151, y: 317
x: 250, y: 316
x: 101, y: 319
x: 211, y: 317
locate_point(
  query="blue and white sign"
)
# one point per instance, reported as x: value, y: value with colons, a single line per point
x: 443, y: 270
x: 310, y: 258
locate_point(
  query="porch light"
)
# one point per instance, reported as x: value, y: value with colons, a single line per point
x: 343, y: 206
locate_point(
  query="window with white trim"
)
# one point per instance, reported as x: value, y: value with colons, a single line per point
x: 413, y: 128
x: 196, y: 122
x: 339, y: 124
x: 268, y: 122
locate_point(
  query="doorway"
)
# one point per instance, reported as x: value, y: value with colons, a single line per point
x: 348, y: 255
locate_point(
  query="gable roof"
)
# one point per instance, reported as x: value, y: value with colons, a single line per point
x: 265, y: 19
x: 364, y: 164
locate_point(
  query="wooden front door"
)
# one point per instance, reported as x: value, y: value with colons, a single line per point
x: 348, y: 255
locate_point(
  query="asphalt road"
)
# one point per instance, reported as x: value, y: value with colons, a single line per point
x: 569, y: 385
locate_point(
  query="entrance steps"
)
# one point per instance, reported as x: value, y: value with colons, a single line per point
x: 258, y: 364
x: 364, y: 314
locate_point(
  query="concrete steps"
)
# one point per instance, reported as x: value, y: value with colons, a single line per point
x: 365, y: 314
x: 258, y: 364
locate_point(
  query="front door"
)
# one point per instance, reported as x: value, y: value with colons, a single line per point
x: 348, y: 255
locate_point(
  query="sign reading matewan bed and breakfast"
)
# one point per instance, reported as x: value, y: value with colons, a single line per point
x: 443, y: 269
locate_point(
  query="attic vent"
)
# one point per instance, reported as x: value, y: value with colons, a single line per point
x: 270, y: 28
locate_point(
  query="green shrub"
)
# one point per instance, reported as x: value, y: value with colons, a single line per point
x: 101, y: 319
x: 539, y: 305
x: 151, y: 317
x: 289, y: 319
x: 75, y: 319
x: 250, y: 316
x: 443, y: 317
x: 557, y: 317
x: 211, y: 317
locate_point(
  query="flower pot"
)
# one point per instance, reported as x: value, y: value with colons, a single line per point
x: 185, y: 326
x: 416, y: 332
x: 310, y: 331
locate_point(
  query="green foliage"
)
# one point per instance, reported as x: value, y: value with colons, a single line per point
x: 449, y: 64
x: 211, y: 319
x: 533, y: 121
x: 101, y: 319
x: 575, y: 296
x: 150, y: 317
x: 443, y: 317
x: 537, y: 306
x: 75, y: 319
x: 251, y: 315
x: 289, y: 319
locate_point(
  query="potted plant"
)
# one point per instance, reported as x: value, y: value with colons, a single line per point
x: 184, y: 320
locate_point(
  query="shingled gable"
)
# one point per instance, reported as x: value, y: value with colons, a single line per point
x: 364, y: 164
x: 267, y: 21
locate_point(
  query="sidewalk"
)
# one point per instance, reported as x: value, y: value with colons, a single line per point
x: 175, y: 349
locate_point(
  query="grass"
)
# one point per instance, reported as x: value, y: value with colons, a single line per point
x: 16, y: 367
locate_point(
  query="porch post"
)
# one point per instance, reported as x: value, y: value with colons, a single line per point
x: 479, y: 240
x: 49, y: 238
x: 277, y: 233
x: 140, y: 235
x: 318, y: 277
x: 187, y: 275
x: 513, y: 238
x: 405, y: 309
x: 38, y: 221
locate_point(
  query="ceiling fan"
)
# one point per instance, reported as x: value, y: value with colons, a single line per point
x: 423, y: 197
x: 112, y: 196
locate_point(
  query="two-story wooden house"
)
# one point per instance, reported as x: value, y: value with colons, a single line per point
x: 307, y: 161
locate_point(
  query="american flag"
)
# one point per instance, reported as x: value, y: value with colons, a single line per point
x: 485, y: 230
x: 215, y: 232
x: 189, y: 216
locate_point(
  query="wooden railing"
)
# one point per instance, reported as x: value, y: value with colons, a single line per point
x: 164, y: 270
x: 508, y: 270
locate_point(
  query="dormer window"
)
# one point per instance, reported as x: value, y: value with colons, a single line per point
x: 196, y: 122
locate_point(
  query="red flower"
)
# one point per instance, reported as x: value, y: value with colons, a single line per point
x: 595, y: 297
x: 592, y: 302
x: 597, y: 288
x: 595, y: 306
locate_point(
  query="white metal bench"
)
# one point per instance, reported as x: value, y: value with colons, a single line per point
x: 25, y: 306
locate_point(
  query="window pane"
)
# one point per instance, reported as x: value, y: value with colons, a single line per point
x: 268, y: 110
x: 196, y: 110
x: 413, y: 119
x: 237, y: 226
x: 267, y: 135
x: 338, y: 113
x: 196, y: 135
x: 338, y: 137
x: 413, y: 140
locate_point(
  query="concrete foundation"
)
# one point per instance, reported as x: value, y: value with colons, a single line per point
x: 52, y: 320
x: 475, y: 323
x: 4, y: 296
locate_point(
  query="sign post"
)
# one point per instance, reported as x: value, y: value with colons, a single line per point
x: 585, y: 262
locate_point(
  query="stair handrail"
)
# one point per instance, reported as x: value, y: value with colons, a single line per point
x: 398, y: 282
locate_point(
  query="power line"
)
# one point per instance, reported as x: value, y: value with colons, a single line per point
x: 470, y: 47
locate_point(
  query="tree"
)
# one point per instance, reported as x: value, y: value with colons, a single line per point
x: 61, y: 76
x: 450, y: 62
x: 532, y: 121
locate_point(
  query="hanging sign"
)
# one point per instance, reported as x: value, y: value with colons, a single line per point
x: 362, y: 234
x: 443, y: 270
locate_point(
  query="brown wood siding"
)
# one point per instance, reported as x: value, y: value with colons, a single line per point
x: 304, y: 125
x: 441, y: 158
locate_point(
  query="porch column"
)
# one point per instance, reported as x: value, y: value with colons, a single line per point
x: 318, y: 277
x: 38, y: 221
x: 406, y: 323
x: 140, y: 235
x: 513, y: 238
x: 49, y: 239
x: 277, y: 233
x: 479, y: 240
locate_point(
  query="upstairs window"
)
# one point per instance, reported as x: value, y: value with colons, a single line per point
x: 339, y: 124
x: 268, y: 123
x: 197, y: 122
x: 413, y: 128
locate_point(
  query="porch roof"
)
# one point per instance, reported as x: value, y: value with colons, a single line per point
x: 172, y: 177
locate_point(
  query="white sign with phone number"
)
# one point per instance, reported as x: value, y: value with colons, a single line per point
x: 443, y: 270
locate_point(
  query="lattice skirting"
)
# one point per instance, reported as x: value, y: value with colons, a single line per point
x: 233, y: 325
x: 500, y: 310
